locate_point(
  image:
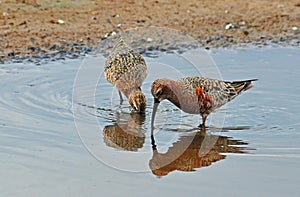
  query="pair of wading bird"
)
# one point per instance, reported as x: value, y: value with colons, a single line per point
x: 127, y: 70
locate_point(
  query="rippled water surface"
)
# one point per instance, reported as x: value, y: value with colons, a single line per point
x: 64, y: 133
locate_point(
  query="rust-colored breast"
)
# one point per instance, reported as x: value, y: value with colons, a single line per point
x: 203, y: 98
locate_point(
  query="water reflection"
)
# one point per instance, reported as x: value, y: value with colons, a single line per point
x: 126, y: 133
x: 196, y: 150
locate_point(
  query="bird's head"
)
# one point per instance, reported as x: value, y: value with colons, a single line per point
x: 137, y: 101
x: 159, y: 90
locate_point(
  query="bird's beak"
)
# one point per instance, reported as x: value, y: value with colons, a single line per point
x: 135, y: 106
x: 155, y: 106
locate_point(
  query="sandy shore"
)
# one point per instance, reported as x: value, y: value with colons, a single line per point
x: 46, y: 29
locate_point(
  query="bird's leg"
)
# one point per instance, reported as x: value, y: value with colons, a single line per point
x: 203, y: 122
x: 121, y: 98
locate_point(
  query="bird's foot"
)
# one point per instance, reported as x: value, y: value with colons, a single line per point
x: 202, y: 126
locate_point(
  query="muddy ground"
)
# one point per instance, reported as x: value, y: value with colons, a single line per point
x: 38, y: 30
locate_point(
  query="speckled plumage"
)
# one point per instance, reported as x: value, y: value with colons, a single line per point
x: 198, y: 95
x: 127, y: 70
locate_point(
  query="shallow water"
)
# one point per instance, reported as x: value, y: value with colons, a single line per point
x: 62, y: 127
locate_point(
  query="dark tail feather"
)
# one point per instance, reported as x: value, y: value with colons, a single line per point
x: 241, y: 86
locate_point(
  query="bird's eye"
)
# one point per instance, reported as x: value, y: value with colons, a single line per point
x: 158, y: 92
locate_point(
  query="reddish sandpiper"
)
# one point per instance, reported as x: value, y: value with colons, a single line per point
x: 197, y: 95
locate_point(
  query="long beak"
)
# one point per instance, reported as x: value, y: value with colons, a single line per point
x: 155, y: 106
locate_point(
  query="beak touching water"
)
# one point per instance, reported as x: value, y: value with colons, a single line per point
x: 155, y: 106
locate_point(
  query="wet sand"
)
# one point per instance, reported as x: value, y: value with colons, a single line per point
x: 45, y: 29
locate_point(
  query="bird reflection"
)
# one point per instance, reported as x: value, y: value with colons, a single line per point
x: 126, y: 133
x: 193, y: 151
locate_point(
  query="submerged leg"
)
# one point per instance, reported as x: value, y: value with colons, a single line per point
x: 121, y: 98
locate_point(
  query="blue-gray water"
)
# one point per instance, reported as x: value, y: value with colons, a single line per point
x: 61, y: 134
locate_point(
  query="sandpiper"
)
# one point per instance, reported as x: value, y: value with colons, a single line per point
x: 127, y: 70
x: 197, y: 95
